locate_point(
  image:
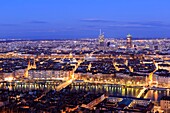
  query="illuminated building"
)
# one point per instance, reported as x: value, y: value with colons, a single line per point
x: 162, y: 77
x: 165, y: 104
x: 101, y: 38
x: 129, y: 41
x: 37, y: 74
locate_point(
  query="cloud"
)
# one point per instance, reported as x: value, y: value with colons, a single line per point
x: 139, y: 25
x: 38, y: 22
x: 8, y: 25
x: 95, y: 20
x: 151, y: 24
x: 130, y: 24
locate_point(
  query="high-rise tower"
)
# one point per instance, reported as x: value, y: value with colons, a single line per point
x: 101, y: 38
x: 129, y: 41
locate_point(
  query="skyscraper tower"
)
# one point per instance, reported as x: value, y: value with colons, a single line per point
x: 129, y: 41
x: 101, y: 38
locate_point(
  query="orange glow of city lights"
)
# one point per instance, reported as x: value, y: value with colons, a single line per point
x: 9, y: 79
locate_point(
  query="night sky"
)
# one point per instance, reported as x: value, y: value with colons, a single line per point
x: 57, y: 19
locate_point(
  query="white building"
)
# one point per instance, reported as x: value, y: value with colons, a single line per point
x: 20, y: 73
x: 165, y: 104
x: 8, y: 76
x: 162, y: 77
x: 48, y: 74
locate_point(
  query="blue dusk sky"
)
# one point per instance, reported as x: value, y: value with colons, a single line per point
x: 57, y: 19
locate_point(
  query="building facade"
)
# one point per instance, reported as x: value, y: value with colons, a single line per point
x: 129, y: 41
x: 101, y: 39
x: 165, y: 104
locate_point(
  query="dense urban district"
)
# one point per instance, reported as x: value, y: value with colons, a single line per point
x: 85, y: 76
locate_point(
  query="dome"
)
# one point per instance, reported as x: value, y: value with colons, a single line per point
x: 129, y: 35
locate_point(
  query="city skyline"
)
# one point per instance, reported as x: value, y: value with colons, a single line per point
x: 83, y: 19
x: 101, y: 75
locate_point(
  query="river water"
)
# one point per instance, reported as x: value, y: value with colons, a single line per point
x: 115, y: 90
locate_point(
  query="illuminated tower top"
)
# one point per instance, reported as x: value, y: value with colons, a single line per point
x: 129, y: 36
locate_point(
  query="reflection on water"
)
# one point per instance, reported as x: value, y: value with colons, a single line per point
x: 115, y: 90
x: 155, y: 95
